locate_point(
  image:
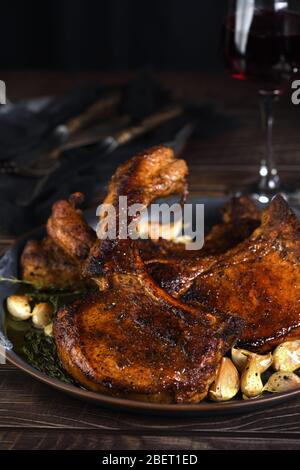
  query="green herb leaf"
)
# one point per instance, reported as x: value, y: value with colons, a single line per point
x: 41, y: 353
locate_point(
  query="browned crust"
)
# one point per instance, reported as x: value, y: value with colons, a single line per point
x: 152, y: 173
x: 68, y: 229
x: 174, y: 268
x: 238, y: 208
x: 45, y: 265
x: 135, y: 340
x: 259, y: 280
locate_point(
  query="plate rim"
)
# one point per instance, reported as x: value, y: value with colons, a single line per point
x: 172, y: 409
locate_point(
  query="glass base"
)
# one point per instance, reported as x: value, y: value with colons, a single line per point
x: 290, y: 192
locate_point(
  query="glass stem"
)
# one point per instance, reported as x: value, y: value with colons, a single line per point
x: 269, y: 179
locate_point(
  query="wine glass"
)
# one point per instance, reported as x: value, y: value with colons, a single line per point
x: 262, y: 44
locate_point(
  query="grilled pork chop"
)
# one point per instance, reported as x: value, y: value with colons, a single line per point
x: 68, y: 229
x: 56, y: 261
x: 259, y: 280
x: 46, y: 265
x: 174, y: 268
x: 152, y: 174
x: 133, y: 339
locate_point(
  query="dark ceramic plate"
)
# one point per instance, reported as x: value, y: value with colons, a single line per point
x: 9, y: 268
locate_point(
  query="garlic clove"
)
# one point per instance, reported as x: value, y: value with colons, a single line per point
x: 286, y: 356
x: 265, y: 362
x: 240, y: 358
x: 19, y: 307
x: 251, y: 383
x: 41, y: 314
x: 282, y: 382
x: 227, y: 382
x: 48, y: 329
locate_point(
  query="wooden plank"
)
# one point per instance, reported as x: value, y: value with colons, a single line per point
x: 64, y: 440
x: 25, y: 403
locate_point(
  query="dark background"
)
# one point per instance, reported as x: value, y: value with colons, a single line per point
x: 116, y: 34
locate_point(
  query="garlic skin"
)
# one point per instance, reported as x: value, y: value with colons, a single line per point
x: 19, y: 307
x: 251, y: 383
x: 227, y: 382
x: 282, y: 382
x: 286, y: 356
x: 41, y: 314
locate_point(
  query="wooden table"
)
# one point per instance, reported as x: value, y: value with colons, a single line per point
x: 33, y: 416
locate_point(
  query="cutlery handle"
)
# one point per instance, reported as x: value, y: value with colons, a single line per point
x: 147, y: 124
x: 92, y: 112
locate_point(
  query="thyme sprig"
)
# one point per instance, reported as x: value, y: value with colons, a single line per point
x: 14, y: 280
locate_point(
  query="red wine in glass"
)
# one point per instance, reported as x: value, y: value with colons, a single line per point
x: 262, y: 44
x: 266, y: 50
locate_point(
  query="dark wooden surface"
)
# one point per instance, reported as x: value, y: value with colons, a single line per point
x: 33, y: 416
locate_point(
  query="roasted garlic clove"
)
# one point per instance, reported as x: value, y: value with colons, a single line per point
x: 282, y: 382
x: 227, y: 382
x: 41, y: 314
x: 240, y: 359
x: 251, y: 383
x: 48, y: 329
x: 265, y: 362
x: 286, y: 356
x: 155, y: 230
x: 19, y: 307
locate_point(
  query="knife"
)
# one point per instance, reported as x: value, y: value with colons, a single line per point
x: 61, y: 134
x: 104, y: 148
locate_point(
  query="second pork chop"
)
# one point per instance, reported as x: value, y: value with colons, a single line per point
x: 259, y: 280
